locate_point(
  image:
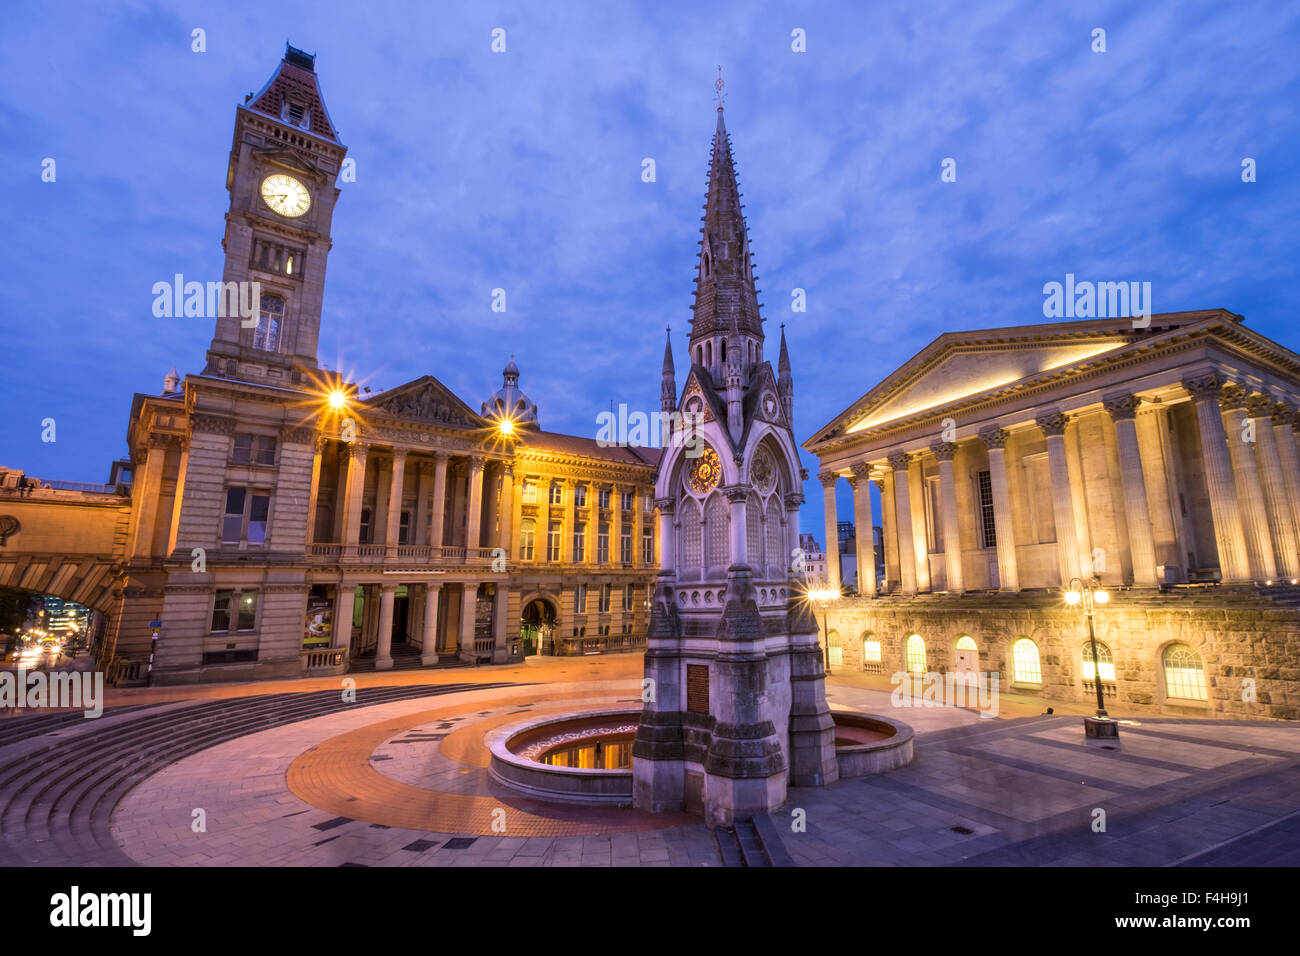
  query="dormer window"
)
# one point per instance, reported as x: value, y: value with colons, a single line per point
x: 296, y: 113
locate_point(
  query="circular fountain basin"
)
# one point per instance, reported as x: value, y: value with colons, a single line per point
x: 867, y: 743
x: 584, y: 757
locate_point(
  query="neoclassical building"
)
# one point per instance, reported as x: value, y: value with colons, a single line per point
x: 282, y: 523
x: 1161, y: 461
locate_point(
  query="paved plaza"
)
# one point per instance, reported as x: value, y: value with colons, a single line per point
x: 399, y: 778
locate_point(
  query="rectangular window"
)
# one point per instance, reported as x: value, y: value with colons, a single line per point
x: 628, y: 498
x: 221, y: 610
x: 604, y: 497
x: 580, y: 599
x: 580, y: 496
x: 530, y: 493
x: 527, y: 539
x: 266, y: 449
x: 602, y: 544
x: 627, y: 597
x: 647, y: 546
x: 648, y: 503
x: 988, y: 528
x: 232, y: 525
x: 625, y: 546
x: 605, y: 591
x: 404, y: 527
x: 243, y: 453
x: 259, y: 507
x: 580, y: 542
x: 247, y: 617
x: 363, y: 537
x: 557, y: 493
x: 553, y: 542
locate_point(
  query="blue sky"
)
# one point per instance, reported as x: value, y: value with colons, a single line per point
x: 522, y: 171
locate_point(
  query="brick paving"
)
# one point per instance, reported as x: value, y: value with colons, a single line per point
x: 404, y: 783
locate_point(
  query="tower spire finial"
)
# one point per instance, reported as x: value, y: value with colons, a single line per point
x: 718, y: 86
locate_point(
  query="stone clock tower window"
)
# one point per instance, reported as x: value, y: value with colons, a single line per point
x: 267, y: 334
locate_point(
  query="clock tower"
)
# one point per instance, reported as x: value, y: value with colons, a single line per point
x: 284, y: 162
x: 735, y: 702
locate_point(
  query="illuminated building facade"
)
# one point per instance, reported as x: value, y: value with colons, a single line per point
x: 1160, y: 459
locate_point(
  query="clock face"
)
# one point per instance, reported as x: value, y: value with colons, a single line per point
x: 706, y: 471
x: 285, y: 195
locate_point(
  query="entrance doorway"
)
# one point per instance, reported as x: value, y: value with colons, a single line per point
x: 968, y: 655
x: 537, y: 628
x: 401, y: 614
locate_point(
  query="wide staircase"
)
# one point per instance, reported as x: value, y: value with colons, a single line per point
x: 62, y: 775
x: 753, y: 841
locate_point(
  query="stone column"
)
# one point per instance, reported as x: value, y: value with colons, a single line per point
x: 357, y: 454
x: 1067, y: 546
x: 439, y: 506
x: 151, y: 479
x: 1079, y: 502
x: 903, y: 524
x: 474, y: 507
x: 616, y: 527
x: 314, y: 492
x: 946, y: 452
x: 468, y: 607
x: 500, y: 634
x: 667, y: 560
x: 737, y: 495
x: 995, y: 440
x: 507, y: 508
x: 383, y: 491
x: 1280, y: 523
x: 1122, y: 410
x: 345, y: 602
x: 792, y: 501
x: 384, y: 649
x: 1228, y: 535
x: 920, y: 540
x: 861, y: 482
x: 889, y: 529
x: 429, y: 649
x: 1284, y: 423
x: 566, y: 523
x: 1159, y: 470
x: 1241, y: 436
x: 828, y: 480
x: 395, y: 502
x: 638, y: 527
x: 420, y: 522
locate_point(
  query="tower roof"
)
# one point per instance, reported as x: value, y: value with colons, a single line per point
x: 668, y: 368
x: 783, y: 362
x: 725, y: 297
x: 293, y: 95
x: 509, y: 401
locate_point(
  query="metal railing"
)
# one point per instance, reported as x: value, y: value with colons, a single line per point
x: 323, y: 658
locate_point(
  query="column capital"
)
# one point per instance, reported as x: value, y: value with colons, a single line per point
x: 358, y: 452
x: 793, y: 500
x: 898, y: 461
x: 399, y: 455
x: 879, y: 483
x: 441, y: 457
x: 828, y: 479
x: 666, y: 506
x: 388, y: 588
x: 860, y: 469
x: 1203, y: 387
x: 994, y: 437
x: 1121, y: 408
x: 1259, y: 406
x: 735, y: 493
x: 1283, y: 414
x: 476, y: 463
x: 319, y: 444
x: 434, y: 586
x: 1052, y: 423
x: 944, y: 450
x: 1232, y: 397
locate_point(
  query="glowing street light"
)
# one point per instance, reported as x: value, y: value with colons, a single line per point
x: 338, y: 399
x: 824, y: 596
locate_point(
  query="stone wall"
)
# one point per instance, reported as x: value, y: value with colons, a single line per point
x: 1238, y: 634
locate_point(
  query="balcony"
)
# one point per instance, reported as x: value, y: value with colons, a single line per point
x: 402, y: 555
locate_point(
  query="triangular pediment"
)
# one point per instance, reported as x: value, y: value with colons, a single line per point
x: 960, y: 368
x: 427, y: 400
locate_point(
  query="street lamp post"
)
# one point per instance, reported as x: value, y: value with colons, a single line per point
x: 1090, y: 594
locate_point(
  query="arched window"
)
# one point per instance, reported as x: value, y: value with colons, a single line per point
x: 1107, y: 663
x: 692, y: 535
x: 266, y: 336
x: 776, y: 556
x: 706, y: 265
x: 836, y: 647
x: 871, y: 662
x: 724, y: 350
x: 708, y: 352
x: 916, y: 654
x: 1184, y: 673
x: 1024, y: 661
x: 718, y: 520
x: 699, y: 355
x: 754, y: 531
x: 966, y: 643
